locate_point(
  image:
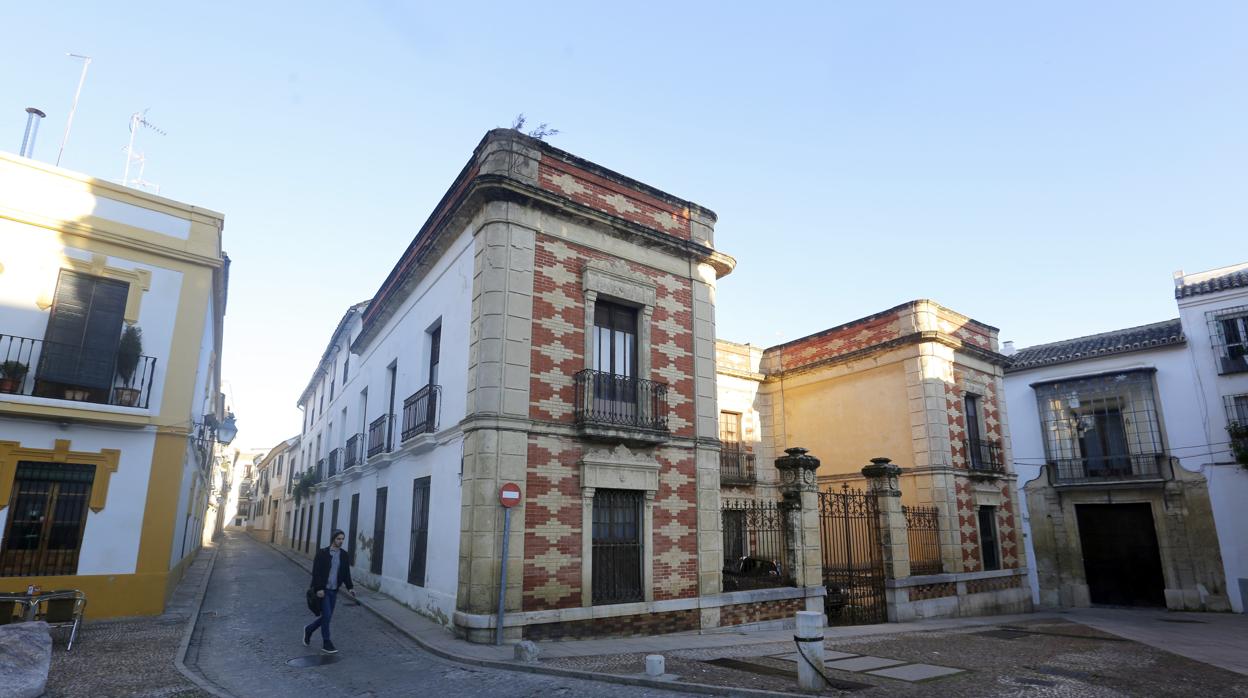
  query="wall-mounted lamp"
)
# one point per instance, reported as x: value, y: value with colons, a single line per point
x: 211, y: 430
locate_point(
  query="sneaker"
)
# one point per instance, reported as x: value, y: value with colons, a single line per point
x: 329, y: 648
x: 307, y: 637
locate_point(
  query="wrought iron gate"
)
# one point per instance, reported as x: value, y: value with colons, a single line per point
x: 853, y: 561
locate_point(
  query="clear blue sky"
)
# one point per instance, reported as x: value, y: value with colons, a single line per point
x: 1041, y: 168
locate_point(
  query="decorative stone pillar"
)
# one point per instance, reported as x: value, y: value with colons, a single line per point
x: 882, y: 478
x: 801, y: 495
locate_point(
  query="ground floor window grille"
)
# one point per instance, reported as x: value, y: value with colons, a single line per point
x: 617, y: 549
x: 756, y: 544
x: 46, y: 517
x: 989, y: 550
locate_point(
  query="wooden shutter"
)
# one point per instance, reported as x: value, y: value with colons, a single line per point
x: 84, y: 329
x: 420, y: 532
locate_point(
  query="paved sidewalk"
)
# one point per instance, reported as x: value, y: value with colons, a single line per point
x: 1220, y: 639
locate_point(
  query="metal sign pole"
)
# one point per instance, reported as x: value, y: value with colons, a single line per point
x: 502, y: 575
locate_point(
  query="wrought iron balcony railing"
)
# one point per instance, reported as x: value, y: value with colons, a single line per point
x: 379, y: 435
x: 320, y: 470
x: 352, y: 455
x: 736, y: 466
x: 420, y: 411
x: 984, y: 455
x: 333, y: 460
x: 69, y: 372
x: 1106, y: 469
x: 610, y: 400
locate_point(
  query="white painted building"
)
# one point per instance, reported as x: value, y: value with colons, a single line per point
x: 111, y: 313
x: 1135, y: 419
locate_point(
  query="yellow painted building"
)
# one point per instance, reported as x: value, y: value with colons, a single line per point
x: 111, y: 309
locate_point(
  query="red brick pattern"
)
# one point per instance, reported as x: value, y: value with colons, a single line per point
x: 738, y: 614
x: 979, y: 586
x: 989, y: 412
x: 1007, y: 529
x: 838, y: 341
x: 969, y: 331
x: 552, y: 519
x: 559, y: 334
x: 676, y: 526
x: 619, y: 626
x: 968, y: 525
x: 602, y: 194
x: 923, y: 592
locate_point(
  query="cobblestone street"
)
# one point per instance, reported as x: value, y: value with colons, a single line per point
x: 250, y: 625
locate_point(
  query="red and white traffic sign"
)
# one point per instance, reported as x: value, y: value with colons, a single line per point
x: 509, y: 495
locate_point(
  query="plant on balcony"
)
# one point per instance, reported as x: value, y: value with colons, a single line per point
x: 1239, y: 441
x: 12, y: 373
x: 128, y: 353
x: 304, y: 486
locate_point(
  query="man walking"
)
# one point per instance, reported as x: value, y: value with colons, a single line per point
x: 330, y: 569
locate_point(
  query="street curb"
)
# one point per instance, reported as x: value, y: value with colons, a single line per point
x: 708, y: 689
x: 179, y: 661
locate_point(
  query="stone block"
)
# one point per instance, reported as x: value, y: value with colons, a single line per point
x: 526, y: 651
x: 25, y: 658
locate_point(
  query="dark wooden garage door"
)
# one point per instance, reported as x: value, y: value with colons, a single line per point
x: 1120, y: 554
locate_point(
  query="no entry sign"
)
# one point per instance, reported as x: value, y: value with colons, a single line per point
x: 509, y: 495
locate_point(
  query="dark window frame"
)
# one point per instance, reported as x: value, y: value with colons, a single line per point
x: 376, y: 561
x: 989, y: 538
x: 617, y: 549
x: 418, y: 544
x: 65, y: 491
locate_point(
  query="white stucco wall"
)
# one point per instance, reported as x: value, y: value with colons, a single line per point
x: 445, y: 295
x: 1176, y: 394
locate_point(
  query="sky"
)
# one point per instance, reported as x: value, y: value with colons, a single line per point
x: 1041, y: 167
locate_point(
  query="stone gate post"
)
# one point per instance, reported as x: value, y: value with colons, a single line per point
x: 894, y: 539
x: 801, y: 494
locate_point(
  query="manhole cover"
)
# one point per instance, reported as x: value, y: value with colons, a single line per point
x: 1003, y: 634
x: 313, y: 660
x: 1181, y: 620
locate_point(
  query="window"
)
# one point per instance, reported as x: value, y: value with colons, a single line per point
x: 331, y: 388
x: 617, y: 547
x: 730, y: 429
x: 80, y: 344
x: 320, y: 523
x: 1229, y: 333
x: 435, y: 353
x: 981, y: 454
x: 47, y: 515
x: 333, y: 522
x: 353, y: 522
x: 1101, y: 426
x: 988, y: 547
x: 377, y: 557
x: 346, y: 367
x: 1237, y: 409
x: 615, y: 339
x: 420, y: 532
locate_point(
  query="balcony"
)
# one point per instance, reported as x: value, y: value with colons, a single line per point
x: 36, y: 368
x: 353, y: 454
x: 1124, y: 469
x: 320, y: 470
x: 379, y: 435
x: 984, y: 456
x: 420, y: 412
x: 736, y: 466
x: 333, y: 460
x: 620, y: 408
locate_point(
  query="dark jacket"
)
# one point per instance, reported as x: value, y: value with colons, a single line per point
x: 320, y: 569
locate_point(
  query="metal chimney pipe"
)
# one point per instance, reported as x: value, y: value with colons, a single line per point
x: 33, y: 116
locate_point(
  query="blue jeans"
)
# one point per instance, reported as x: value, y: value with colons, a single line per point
x: 327, y: 613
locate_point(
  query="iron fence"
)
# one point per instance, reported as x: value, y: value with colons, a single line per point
x: 68, y: 372
x: 351, y: 455
x: 757, y: 544
x: 332, y: 461
x: 606, y: 399
x: 378, y: 441
x: 853, y: 561
x: 923, y: 535
x: 420, y: 412
x: 1088, y: 471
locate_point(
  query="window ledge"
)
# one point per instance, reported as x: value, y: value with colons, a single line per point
x: 622, y: 434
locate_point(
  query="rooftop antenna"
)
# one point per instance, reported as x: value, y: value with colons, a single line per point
x: 86, y: 63
x: 137, y: 120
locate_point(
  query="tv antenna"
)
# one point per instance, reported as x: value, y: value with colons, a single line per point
x: 86, y: 63
x: 138, y: 120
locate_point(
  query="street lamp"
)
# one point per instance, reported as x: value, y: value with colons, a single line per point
x: 211, y: 430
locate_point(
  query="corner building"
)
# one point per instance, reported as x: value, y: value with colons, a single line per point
x: 553, y: 322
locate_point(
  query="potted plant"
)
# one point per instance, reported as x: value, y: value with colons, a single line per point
x: 128, y: 354
x: 1238, y: 432
x: 12, y: 373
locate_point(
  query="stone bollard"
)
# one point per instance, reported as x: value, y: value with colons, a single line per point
x: 655, y: 665
x: 526, y: 651
x: 809, y: 637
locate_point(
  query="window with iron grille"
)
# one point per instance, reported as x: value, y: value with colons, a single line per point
x: 1236, y: 409
x: 1228, y: 330
x: 989, y: 549
x: 47, y: 514
x: 353, y: 521
x: 617, y: 547
x: 377, y: 556
x: 1101, y: 426
x: 419, y: 549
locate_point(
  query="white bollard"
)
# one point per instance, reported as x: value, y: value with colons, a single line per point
x: 809, y: 637
x: 655, y: 665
